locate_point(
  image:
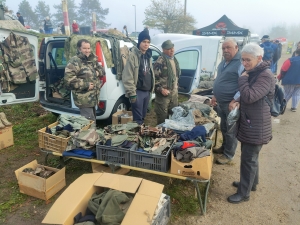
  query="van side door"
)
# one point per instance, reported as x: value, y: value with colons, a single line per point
x: 189, y: 60
x: 23, y: 92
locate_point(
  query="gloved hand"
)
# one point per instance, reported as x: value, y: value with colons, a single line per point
x: 132, y: 99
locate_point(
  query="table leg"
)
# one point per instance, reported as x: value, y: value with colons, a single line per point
x: 202, y: 204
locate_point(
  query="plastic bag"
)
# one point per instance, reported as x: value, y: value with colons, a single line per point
x: 233, y: 116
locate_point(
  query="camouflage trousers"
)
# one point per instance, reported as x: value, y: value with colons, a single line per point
x: 164, y: 105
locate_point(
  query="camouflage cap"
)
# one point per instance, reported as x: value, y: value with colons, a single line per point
x: 167, y: 44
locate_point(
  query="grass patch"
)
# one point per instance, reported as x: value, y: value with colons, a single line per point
x: 16, y: 199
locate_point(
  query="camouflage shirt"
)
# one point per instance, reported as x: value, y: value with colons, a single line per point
x: 79, y: 73
x: 161, y: 74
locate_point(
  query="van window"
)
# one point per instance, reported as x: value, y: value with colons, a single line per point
x: 155, y: 55
x: 58, y: 55
x: 188, y: 59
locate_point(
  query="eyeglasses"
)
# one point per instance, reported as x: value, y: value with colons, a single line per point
x: 245, y: 60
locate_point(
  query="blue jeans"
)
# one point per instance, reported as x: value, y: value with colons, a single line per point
x: 274, y: 67
x: 228, y: 132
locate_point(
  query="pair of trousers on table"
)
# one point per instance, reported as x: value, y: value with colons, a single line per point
x: 140, y: 106
x: 249, y: 169
x: 228, y: 132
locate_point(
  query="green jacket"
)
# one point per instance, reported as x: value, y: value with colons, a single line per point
x: 79, y: 72
x: 131, y: 72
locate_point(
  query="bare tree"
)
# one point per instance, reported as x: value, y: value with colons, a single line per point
x: 168, y: 16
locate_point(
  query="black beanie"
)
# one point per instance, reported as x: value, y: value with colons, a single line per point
x: 143, y: 36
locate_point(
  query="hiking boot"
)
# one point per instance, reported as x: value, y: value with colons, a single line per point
x: 218, y: 150
x: 223, y: 160
x: 1, y: 125
x: 237, y: 183
x: 4, y: 120
x: 293, y: 109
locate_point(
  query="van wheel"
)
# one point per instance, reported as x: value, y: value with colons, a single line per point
x: 121, y: 104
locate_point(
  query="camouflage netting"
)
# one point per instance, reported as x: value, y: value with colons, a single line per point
x: 71, y: 47
x: 12, y: 25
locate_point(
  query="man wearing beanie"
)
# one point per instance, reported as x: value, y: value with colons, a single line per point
x: 167, y: 72
x: 138, y: 77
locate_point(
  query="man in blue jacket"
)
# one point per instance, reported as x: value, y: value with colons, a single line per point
x: 270, y: 51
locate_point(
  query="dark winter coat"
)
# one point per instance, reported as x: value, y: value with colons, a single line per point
x: 255, y: 125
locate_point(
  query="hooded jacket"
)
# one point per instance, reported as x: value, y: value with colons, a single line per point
x: 79, y: 73
x: 255, y: 125
x: 130, y: 73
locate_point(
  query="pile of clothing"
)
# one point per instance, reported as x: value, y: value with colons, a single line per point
x: 155, y: 140
x: 192, y: 144
x: 195, y: 111
x: 40, y: 171
x: 83, y: 142
x: 67, y: 124
x: 110, y: 207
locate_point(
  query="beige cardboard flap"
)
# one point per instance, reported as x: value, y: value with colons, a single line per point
x: 119, y: 182
x: 32, y: 165
x: 53, y: 180
x: 73, y: 200
x: 151, y: 188
x: 141, y: 210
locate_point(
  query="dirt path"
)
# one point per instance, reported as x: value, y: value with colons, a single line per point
x: 277, y: 199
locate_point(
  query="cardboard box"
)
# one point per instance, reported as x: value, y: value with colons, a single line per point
x: 75, y: 198
x: 6, y: 137
x: 40, y: 187
x: 100, y: 168
x: 199, y: 168
x: 117, y: 117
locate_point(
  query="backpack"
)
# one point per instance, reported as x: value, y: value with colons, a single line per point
x: 268, y: 52
x: 278, y: 104
x: 124, y: 52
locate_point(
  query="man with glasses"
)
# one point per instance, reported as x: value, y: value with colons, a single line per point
x: 225, y: 92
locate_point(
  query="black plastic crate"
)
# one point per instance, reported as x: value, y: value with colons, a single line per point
x: 114, y: 154
x: 150, y: 161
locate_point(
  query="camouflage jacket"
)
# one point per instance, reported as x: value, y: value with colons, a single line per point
x: 162, y: 76
x: 79, y: 73
x: 19, y: 59
x: 130, y: 73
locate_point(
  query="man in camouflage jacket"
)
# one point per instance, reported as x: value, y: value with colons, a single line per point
x: 167, y: 73
x: 82, y: 76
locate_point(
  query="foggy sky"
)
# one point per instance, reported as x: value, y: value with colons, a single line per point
x: 257, y: 15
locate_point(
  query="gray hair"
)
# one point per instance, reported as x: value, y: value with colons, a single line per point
x: 232, y: 40
x: 253, y: 49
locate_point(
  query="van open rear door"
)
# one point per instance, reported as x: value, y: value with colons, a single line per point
x: 189, y: 60
x: 23, y: 92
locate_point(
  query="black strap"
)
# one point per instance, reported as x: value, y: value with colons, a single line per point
x: 53, y: 61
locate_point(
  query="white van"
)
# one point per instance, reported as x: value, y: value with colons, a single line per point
x: 112, y: 95
x: 197, y: 56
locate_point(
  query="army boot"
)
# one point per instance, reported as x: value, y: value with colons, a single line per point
x: 4, y: 120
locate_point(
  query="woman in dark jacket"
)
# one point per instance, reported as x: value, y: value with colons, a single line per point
x: 255, y: 125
